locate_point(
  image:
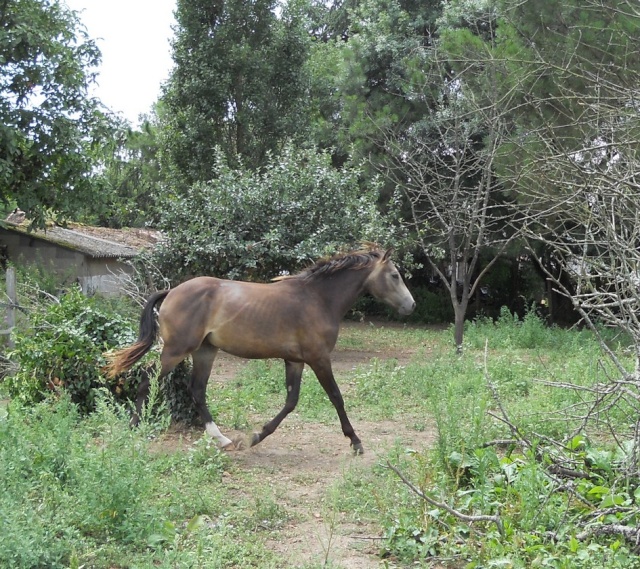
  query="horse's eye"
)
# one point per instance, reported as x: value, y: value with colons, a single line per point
x: 395, y: 276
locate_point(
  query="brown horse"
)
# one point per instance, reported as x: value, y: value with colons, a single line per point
x: 295, y: 318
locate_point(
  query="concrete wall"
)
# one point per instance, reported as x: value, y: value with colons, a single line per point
x: 102, y: 275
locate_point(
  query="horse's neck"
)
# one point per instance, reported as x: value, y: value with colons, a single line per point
x: 341, y: 290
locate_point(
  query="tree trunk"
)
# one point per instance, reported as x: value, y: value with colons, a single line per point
x: 459, y: 312
x: 460, y: 308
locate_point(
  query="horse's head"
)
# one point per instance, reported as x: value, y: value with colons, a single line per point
x: 386, y: 284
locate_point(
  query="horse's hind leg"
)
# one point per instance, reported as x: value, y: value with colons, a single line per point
x: 202, y: 362
x: 324, y: 373
x: 293, y: 372
x: 168, y: 363
x: 141, y: 397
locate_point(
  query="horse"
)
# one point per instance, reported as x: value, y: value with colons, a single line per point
x: 295, y: 318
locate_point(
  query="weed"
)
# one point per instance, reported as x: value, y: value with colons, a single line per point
x: 86, y: 491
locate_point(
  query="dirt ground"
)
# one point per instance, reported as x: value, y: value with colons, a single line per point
x: 302, y: 472
x: 300, y: 461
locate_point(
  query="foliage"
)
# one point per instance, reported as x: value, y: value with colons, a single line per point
x: 61, y: 347
x: 256, y: 226
x: 130, y: 178
x: 59, y: 470
x: 364, y: 77
x: 431, y: 307
x: 88, y: 491
x: 175, y: 394
x: 237, y: 84
x: 547, y: 434
x: 540, y: 521
x: 50, y: 129
x: 563, y: 75
x: 509, y: 331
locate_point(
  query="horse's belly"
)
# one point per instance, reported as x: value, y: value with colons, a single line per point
x: 260, y: 352
x: 263, y: 347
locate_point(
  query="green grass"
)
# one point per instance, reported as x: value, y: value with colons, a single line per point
x: 384, y: 335
x: 91, y: 492
x: 519, y: 359
x: 78, y: 492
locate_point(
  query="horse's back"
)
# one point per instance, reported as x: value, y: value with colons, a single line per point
x: 252, y: 320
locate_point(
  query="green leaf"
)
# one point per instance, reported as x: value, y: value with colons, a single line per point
x: 197, y: 522
x: 598, y: 491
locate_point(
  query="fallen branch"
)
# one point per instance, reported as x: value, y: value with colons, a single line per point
x: 631, y: 534
x: 500, y: 443
x: 564, y: 472
x: 464, y: 517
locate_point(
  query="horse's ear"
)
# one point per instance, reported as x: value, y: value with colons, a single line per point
x: 387, y: 254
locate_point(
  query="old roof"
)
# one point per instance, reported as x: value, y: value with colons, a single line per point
x: 97, y: 242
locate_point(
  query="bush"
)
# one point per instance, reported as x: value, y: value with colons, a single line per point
x: 431, y: 307
x: 62, y: 349
x: 254, y: 226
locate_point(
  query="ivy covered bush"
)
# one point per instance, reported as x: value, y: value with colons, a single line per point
x: 253, y: 225
x: 62, y: 348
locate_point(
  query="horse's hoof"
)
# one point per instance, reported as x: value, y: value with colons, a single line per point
x: 255, y: 439
x: 236, y: 444
x: 358, y: 449
x: 239, y: 442
x: 229, y: 447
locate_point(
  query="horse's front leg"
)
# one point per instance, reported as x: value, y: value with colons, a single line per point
x: 293, y: 372
x: 324, y: 373
x: 202, y: 363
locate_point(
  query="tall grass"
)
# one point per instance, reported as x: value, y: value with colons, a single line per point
x: 91, y: 492
x: 508, y: 366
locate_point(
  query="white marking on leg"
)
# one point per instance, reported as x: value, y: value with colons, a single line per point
x: 214, y: 432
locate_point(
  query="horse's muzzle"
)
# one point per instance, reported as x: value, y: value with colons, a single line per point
x: 408, y: 308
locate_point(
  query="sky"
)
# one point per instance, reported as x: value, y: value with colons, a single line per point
x: 133, y: 36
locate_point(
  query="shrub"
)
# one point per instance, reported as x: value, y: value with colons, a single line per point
x: 431, y: 307
x: 254, y: 226
x: 62, y: 349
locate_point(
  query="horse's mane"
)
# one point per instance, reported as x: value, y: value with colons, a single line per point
x: 327, y: 266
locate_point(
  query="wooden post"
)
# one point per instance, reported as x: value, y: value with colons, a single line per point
x: 10, y: 318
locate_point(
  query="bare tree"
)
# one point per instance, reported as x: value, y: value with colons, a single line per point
x: 562, y: 136
x: 579, y: 168
x: 459, y: 210
x: 592, y: 226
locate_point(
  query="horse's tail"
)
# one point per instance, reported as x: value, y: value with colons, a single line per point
x: 122, y: 360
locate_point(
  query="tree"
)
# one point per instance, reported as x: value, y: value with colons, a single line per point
x: 581, y: 170
x: 363, y: 75
x: 495, y: 112
x: 457, y: 207
x: 50, y: 129
x: 575, y: 65
x: 574, y: 160
x: 129, y: 179
x: 257, y: 225
x: 237, y: 84
x: 569, y: 157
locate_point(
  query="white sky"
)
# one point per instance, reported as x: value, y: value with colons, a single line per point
x: 133, y: 36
